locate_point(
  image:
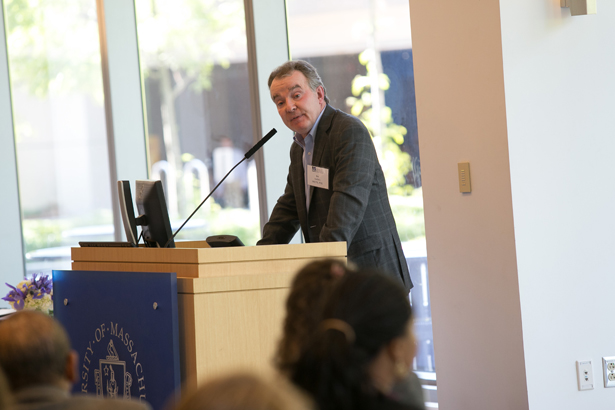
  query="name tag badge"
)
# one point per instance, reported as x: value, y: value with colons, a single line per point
x: 318, y: 177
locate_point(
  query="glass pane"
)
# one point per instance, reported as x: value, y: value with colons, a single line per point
x: 366, y: 66
x: 54, y: 62
x: 194, y: 59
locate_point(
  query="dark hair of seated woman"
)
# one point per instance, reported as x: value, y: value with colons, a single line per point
x: 362, y: 346
x: 306, y: 298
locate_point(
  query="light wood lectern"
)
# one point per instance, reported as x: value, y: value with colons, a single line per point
x: 231, y: 300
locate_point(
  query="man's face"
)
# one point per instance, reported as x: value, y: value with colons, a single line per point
x: 297, y: 104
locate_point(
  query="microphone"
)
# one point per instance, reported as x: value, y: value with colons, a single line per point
x: 259, y: 144
x: 251, y: 152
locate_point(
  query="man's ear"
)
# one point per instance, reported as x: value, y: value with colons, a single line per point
x: 396, y: 349
x: 320, y: 92
x: 70, y: 369
x: 402, y: 349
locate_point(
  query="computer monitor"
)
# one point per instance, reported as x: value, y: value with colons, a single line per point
x: 127, y: 211
x: 153, y: 215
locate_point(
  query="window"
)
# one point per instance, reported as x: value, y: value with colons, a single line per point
x: 194, y: 59
x: 61, y: 143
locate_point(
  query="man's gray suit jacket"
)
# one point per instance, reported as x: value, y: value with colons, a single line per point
x: 354, y: 209
x: 47, y: 397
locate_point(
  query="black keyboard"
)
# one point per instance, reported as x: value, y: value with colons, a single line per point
x: 106, y: 244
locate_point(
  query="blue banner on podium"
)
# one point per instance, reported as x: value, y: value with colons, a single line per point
x: 124, y: 325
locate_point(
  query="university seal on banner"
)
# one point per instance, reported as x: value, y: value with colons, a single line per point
x: 111, y: 378
x: 115, y: 375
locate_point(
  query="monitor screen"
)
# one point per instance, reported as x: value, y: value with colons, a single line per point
x: 153, y: 214
x: 127, y: 211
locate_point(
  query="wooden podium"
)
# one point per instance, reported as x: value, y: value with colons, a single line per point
x: 231, y: 300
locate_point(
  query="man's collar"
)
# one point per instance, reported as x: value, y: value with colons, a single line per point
x: 299, y: 140
x: 315, y: 127
x: 41, y: 393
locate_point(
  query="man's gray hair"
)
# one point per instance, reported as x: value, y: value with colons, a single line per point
x: 33, y: 349
x: 305, y: 68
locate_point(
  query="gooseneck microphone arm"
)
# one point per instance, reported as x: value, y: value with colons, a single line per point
x: 259, y: 144
x: 248, y: 154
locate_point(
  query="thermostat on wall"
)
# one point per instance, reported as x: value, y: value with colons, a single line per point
x: 580, y: 7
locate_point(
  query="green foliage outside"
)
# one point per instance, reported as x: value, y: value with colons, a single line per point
x: 54, y: 45
x: 216, y: 220
x: 42, y: 233
x: 239, y: 222
x: 39, y: 233
x: 406, y: 202
x: 180, y: 43
x: 187, y: 38
x: 227, y: 221
x: 49, y: 233
x: 409, y: 216
x: 395, y: 163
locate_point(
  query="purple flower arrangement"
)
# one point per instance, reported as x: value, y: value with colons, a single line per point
x: 34, y: 293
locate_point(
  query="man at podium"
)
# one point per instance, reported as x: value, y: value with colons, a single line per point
x: 335, y: 188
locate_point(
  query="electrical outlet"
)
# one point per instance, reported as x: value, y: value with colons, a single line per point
x: 608, y: 368
x: 585, y: 375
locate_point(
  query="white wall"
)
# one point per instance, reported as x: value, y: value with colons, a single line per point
x: 521, y: 268
x: 560, y: 100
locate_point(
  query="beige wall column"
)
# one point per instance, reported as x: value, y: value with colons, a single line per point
x: 471, y: 253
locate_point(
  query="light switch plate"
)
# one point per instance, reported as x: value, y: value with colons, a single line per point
x: 465, y: 183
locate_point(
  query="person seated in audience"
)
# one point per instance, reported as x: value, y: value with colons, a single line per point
x: 304, y: 306
x: 6, y: 398
x: 41, y: 367
x: 361, y: 348
x: 245, y: 391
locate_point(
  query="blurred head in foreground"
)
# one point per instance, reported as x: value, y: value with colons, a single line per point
x: 308, y: 291
x: 362, y: 347
x: 5, y: 392
x: 245, y: 391
x: 35, y: 350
